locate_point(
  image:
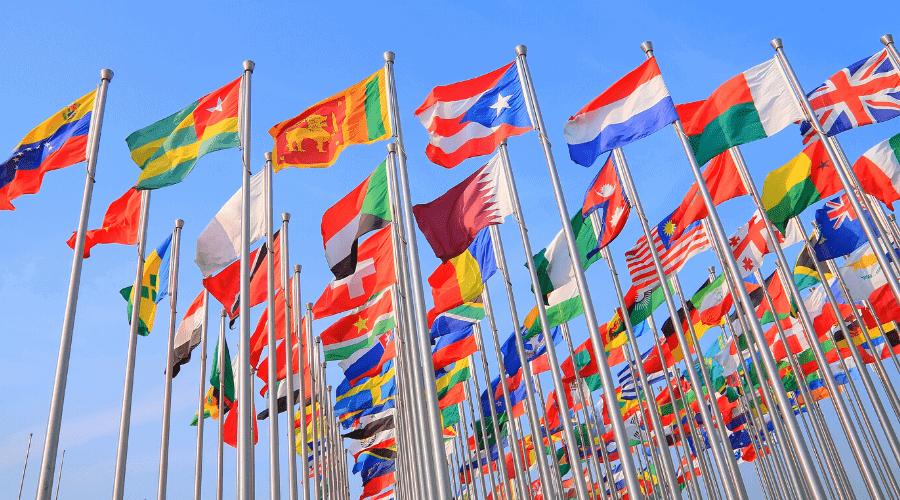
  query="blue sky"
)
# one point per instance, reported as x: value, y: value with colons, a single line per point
x: 166, y: 55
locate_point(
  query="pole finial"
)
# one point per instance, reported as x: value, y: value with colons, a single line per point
x: 712, y: 269
x: 776, y: 43
x: 647, y: 47
x: 309, y: 306
x: 297, y: 268
x: 521, y: 50
x: 391, y: 147
x: 268, y: 156
x: 179, y: 223
x: 503, y: 142
x: 107, y: 74
x: 892, y: 217
x: 249, y: 65
x: 389, y: 56
x: 887, y: 39
x: 285, y: 217
x: 223, y: 313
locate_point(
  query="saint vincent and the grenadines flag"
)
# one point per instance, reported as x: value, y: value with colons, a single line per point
x: 154, y: 286
x: 167, y: 150
x: 58, y: 142
x: 315, y: 137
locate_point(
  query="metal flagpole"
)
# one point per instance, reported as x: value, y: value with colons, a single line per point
x: 668, y: 467
x: 274, y: 463
x: 245, y: 418
x: 415, y: 270
x: 125, y: 424
x: 57, y: 398
x: 25, y: 467
x: 198, y: 472
x: 170, y: 360
x: 296, y: 310
x: 631, y: 479
x: 557, y: 478
x: 468, y: 458
x: 314, y: 396
x: 479, y: 422
x: 220, y: 402
x: 59, y: 479
x: 291, y: 422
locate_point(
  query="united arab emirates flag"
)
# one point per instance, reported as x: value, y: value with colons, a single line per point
x: 791, y: 188
x: 365, y: 209
x: 751, y: 106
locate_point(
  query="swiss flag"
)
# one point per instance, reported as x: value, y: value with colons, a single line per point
x: 374, y: 272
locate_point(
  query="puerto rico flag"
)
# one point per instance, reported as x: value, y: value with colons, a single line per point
x: 471, y: 118
x: 866, y: 92
x: 631, y: 109
x: 605, y: 194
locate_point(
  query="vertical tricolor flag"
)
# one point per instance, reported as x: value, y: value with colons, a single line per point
x: 878, y: 171
x: 154, y: 286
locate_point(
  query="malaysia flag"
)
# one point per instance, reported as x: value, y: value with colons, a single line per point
x: 471, y: 118
x: 606, y: 195
x: 631, y: 109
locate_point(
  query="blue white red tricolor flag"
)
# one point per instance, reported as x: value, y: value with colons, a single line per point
x: 866, y: 92
x: 606, y: 195
x: 631, y: 109
x: 471, y: 118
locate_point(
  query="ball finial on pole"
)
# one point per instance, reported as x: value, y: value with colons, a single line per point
x: 776, y: 43
x: 521, y: 50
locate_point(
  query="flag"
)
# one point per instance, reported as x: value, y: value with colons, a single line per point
x: 381, y: 440
x: 383, y: 421
x: 866, y: 92
x: 563, y: 304
x: 713, y: 300
x: 188, y: 335
x: 315, y: 137
x: 840, y: 230
x: 259, y: 340
x: 535, y: 347
x: 220, y: 242
x: 805, y: 274
x: 377, y: 484
x: 226, y: 285
x: 167, y: 150
x: 451, y: 222
x: 366, y: 393
x: 374, y: 272
x: 366, y: 209
x: 878, y: 171
x: 226, y: 375
x: 724, y: 183
x: 230, y: 427
x: 58, y: 142
x: 553, y: 264
x: 457, y: 318
x: 154, y: 286
x: 673, y: 256
x: 862, y: 274
x: 120, y: 224
x: 751, y: 242
x: 753, y: 105
x: 449, y: 376
x: 632, y: 108
x: 359, y: 329
x: 454, y: 347
x: 472, y: 117
x: 461, y: 279
x: 607, y: 195
x: 806, y: 179
x: 370, y: 361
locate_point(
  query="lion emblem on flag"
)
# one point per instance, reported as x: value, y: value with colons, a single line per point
x: 314, y: 130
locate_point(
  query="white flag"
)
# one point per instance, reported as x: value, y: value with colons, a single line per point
x: 220, y: 243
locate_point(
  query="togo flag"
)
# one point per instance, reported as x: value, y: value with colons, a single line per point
x: 154, y: 286
x: 167, y: 150
x: 365, y: 209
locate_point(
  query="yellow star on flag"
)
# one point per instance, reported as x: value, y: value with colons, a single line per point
x: 360, y: 325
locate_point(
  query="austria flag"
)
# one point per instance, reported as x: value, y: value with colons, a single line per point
x: 471, y: 118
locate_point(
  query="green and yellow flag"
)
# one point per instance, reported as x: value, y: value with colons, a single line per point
x: 154, y: 286
x: 315, y: 137
x: 167, y: 150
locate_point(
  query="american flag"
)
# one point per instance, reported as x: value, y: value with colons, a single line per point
x: 640, y: 263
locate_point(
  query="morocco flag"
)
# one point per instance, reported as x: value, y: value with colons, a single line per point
x: 120, y: 224
x: 724, y: 183
x: 374, y: 272
x: 751, y: 106
x: 878, y: 170
x: 365, y: 209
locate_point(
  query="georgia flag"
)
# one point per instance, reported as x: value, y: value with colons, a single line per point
x: 606, y: 195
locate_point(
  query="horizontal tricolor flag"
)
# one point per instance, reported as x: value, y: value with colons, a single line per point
x: 188, y: 335
x: 632, y: 108
x: 640, y: 263
x: 454, y: 347
x: 457, y: 318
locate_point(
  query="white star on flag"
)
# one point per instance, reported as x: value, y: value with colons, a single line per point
x: 501, y: 104
x: 218, y: 106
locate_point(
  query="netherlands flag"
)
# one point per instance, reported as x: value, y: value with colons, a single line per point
x: 633, y: 108
x: 470, y: 118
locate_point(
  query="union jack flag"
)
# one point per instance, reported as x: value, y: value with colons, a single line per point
x: 866, y: 92
x: 840, y: 211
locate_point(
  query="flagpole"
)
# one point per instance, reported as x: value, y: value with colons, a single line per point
x: 274, y: 463
x: 59, y: 479
x: 462, y: 414
x: 631, y: 479
x: 296, y: 310
x: 170, y: 360
x: 198, y: 471
x: 289, y: 334
x: 668, y: 467
x: 314, y: 396
x: 24, y: 468
x: 57, y: 398
x: 125, y: 423
x: 557, y: 479
x: 474, y: 393
x: 221, y: 407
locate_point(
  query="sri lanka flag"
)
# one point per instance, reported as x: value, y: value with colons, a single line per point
x: 154, y: 286
x: 58, y: 142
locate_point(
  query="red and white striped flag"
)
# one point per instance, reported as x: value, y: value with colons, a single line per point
x: 640, y: 263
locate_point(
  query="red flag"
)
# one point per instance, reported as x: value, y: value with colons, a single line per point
x: 226, y: 286
x: 606, y: 195
x: 120, y: 224
x: 724, y: 183
x: 230, y: 427
x: 377, y: 484
x: 260, y: 337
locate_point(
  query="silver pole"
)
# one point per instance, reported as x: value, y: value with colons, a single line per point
x: 274, y: 463
x: 313, y: 382
x: 25, y: 467
x: 245, y: 418
x: 57, y: 399
x: 434, y: 415
x: 220, y: 402
x: 465, y: 424
x: 291, y: 423
x: 486, y: 448
x: 198, y: 472
x: 631, y: 479
x: 170, y: 360
x: 125, y: 424
x: 296, y: 309
x: 504, y: 474
x: 59, y: 479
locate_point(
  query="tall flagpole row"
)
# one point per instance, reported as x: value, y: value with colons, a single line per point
x: 198, y: 464
x: 57, y: 398
x: 274, y: 463
x: 170, y: 360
